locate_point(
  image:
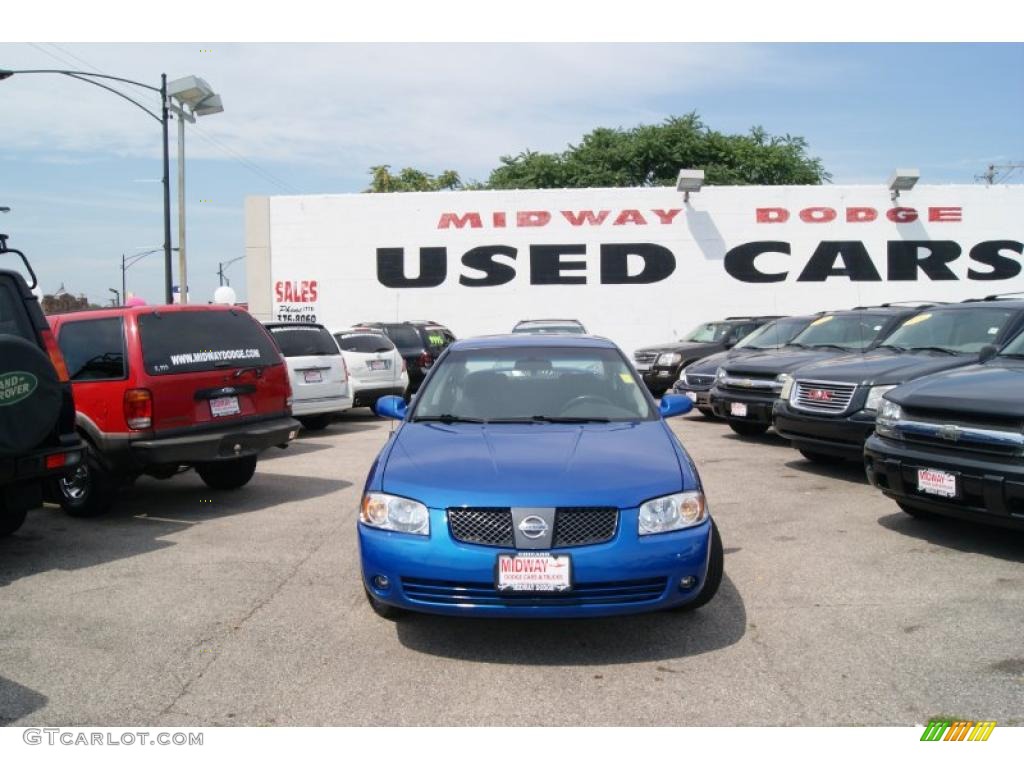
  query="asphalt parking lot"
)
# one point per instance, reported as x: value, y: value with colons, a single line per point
x: 185, y: 606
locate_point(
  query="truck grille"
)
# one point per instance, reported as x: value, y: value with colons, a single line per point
x: 483, y: 593
x: 700, y: 379
x: 953, y: 434
x: 492, y: 526
x: 646, y: 358
x: 822, y: 396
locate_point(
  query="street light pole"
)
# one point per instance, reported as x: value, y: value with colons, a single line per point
x: 182, y: 268
x: 168, y: 272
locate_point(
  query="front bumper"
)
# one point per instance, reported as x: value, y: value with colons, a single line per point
x: 660, y: 378
x: 629, y: 574
x: 228, y: 442
x: 759, y: 405
x: 991, y: 489
x: 842, y: 436
x: 701, y: 397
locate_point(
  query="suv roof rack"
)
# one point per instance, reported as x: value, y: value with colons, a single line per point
x: 899, y: 305
x: 990, y: 297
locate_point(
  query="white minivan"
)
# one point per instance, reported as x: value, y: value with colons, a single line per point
x: 376, y: 367
x: 316, y: 368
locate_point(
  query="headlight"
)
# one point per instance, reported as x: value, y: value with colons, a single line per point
x: 787, y: 385
x: 394, y: 513
x: 672, y: 513
x: 885, y: 422
x: 669, y: 358
x: 875, y: 398
x: 720, y: 375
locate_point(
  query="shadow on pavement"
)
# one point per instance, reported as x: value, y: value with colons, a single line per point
x: 558, y: 642
x: 17, y: 701
x: 296, y: 447
x: 849, y: 471
x: 768, y: 438
x: 142, y: 520
x: 961, y: 535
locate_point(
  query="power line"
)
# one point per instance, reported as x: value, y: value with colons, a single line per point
x: 216, y: 143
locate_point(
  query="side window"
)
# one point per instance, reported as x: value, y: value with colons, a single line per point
x: 93, y: 349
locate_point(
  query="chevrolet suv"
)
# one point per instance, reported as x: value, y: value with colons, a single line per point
x: 37, y: 413
x: 660, y: 364
x: 827, y: 410
x: 745, y: 390
x: 163, y: 389
x: 953, y: 443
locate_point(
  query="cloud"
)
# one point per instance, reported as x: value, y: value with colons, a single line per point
x: 348, y: 106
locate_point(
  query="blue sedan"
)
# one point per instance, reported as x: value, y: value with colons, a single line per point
x: 534, y: 477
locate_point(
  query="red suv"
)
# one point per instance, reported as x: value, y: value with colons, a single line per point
x: 161, y: 389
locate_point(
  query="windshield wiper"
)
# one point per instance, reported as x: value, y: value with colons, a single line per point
x: 551, y: 420
x: 831, y: 346
x: 1014, y: 355
x: 931, y: 349
x: 892, y: 346
x: 798, y: 345
x: 448, y: 418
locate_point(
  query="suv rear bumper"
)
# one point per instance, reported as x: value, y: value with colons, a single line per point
x: 21, y: 478
x: 842, y: 436
x: 231, y: 441
x: 317, y: 405
x: 991, y: 490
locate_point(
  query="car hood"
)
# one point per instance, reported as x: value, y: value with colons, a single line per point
x: 542, y: 465
x: 708, y: 365
x: 882, y: 367
x: 992, y: 389
x: 684, y: 347
x: 778, y: 361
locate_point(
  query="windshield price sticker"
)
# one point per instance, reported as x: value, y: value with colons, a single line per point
x: 936, y: 482
x: 529, y: 572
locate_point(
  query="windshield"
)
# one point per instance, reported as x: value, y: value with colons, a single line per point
x: 304, y: 340
x: 773, y: 335
x: 190, y: 341
x: 1015, y: 348
x: 853, y: 331
x: 533, y: 383
x: 961, y: 331
x: 708, y: 332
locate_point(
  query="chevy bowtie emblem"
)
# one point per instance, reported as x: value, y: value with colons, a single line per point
x: 950, y: 432
x: 533, y: 527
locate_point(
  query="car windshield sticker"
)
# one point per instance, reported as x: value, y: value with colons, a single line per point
x: 993, y: 331
x: 627, y: 377
x: 435, y: 340
x: 211, y: 355
x: 823, y: 320
x: 917, y: 319
x: 15, y: 386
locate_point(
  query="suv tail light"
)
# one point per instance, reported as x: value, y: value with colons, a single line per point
x: 344, y: 368
x: 288, y: 394
x: 56, y: 357
x: 138, y: 408
x: 425, y: 360
x: 404, y: 366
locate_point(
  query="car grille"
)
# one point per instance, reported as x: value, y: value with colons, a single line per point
x: 758, y: 384
x: 492, y: 526
x: 998, y: 439
x: 823, y: 396
x: 700, y: 379
x: 646, y: 358
x: 484, y: 593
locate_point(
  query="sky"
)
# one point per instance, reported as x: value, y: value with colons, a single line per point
x: 81, y: 168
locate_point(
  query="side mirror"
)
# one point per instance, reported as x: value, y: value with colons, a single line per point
x: 729, y: 343
x: 987, y: 352
x: 674, y: 405
x: 391, y: 407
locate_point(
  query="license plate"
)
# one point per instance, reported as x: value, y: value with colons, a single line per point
x: 529, y: 572
x: 224, y: 406
x: 312, y: 377
x: 936, y: 482
x: 738, y: 409
x: 692, y: 396
x: 379, y: 365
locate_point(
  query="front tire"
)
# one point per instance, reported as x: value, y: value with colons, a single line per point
x: 748, y: 428
x: 11, y: 520
x: 88, y: 491
x: 820, y: 458
x: 227, y: 475
x: 385, y: 611
x: 713, y: 579
x: 315, y: 423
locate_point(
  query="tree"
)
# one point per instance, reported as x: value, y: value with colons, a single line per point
x: 643, y: 156
x: 411, y: 180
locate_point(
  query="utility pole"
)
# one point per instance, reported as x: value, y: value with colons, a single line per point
x: 999, y: 172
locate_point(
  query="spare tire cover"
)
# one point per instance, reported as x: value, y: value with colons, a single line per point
x: 30, y: 395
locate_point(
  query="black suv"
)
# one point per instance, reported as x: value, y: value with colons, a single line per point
x: 745, y: 390
x: 660, y: 364
x: 38, y: 442
x: 953, y: 443
x: 696, y: 379
x: 420, y: 343
x: 827, y: 410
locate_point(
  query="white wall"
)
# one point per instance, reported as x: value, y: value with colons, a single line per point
x: 330, y: 243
